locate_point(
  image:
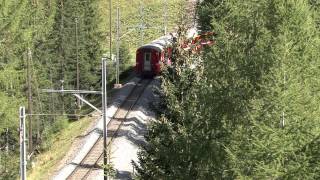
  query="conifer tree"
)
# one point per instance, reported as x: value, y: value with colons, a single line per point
x: 280, y: 140
x: 24, y: 25
x: 250, y: 109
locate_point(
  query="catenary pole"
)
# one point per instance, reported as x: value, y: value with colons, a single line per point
x: 78, y: 69
x: 118, y: 45
x: 29, y: 77
x: 104, y: 96
x: 62, y: 54
x: 23, y: 162
x: 165, y: 17
x: 110, y: 29
x: 104, y: 110
x: 141, y: 25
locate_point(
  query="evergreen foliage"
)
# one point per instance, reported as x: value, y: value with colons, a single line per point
x: 30, y: 26
x: 45, y: 33
x: 23, y: 25
x: 249, y: 109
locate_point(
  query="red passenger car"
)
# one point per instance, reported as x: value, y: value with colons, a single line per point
x: 150, y: 57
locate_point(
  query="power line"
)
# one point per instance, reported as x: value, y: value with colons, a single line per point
x: 43, y: 114
x: 70, y: 91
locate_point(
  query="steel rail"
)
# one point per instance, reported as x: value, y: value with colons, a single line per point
x: 125, y: 117
x: 132, y: 98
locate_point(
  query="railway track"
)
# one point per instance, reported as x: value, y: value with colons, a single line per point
x: 93, y: 160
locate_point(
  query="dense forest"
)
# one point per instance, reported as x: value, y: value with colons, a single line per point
x: 50, y: 38
x: 247, y: 107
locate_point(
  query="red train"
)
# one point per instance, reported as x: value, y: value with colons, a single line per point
x: 150, y: 57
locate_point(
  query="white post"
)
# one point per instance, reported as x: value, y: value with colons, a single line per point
x: 23, y: 162
x: 104, y: 111
x: 118, y: 45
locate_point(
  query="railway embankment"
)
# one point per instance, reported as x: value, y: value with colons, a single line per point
x: 130, y: 137
x: 95, y: 133
x: 125, y: 141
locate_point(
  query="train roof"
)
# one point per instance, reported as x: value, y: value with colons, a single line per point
x: 159, y: 43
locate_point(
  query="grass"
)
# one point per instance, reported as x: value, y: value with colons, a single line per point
x: 47, y: 162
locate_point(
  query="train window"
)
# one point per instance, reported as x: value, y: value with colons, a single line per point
x: 147, y: 56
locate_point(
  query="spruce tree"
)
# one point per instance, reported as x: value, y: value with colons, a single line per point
x: 281, y: 139
x: 249, y: 109
x: 24, y: 25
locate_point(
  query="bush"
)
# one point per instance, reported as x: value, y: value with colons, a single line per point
x: 53, y: 129
x: 9, y: 165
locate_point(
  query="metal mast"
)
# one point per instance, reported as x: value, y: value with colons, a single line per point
x: 142, y: 26
x: 104, y: 96
x: 110, y: 29
x: 23, y: 162
x: 29, y: 99
x: 104, y: 110
x: 118, y: 45
x: 78, y: 70
x: 165, y: 17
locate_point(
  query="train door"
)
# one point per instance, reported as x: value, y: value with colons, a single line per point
x: 147, y: 61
